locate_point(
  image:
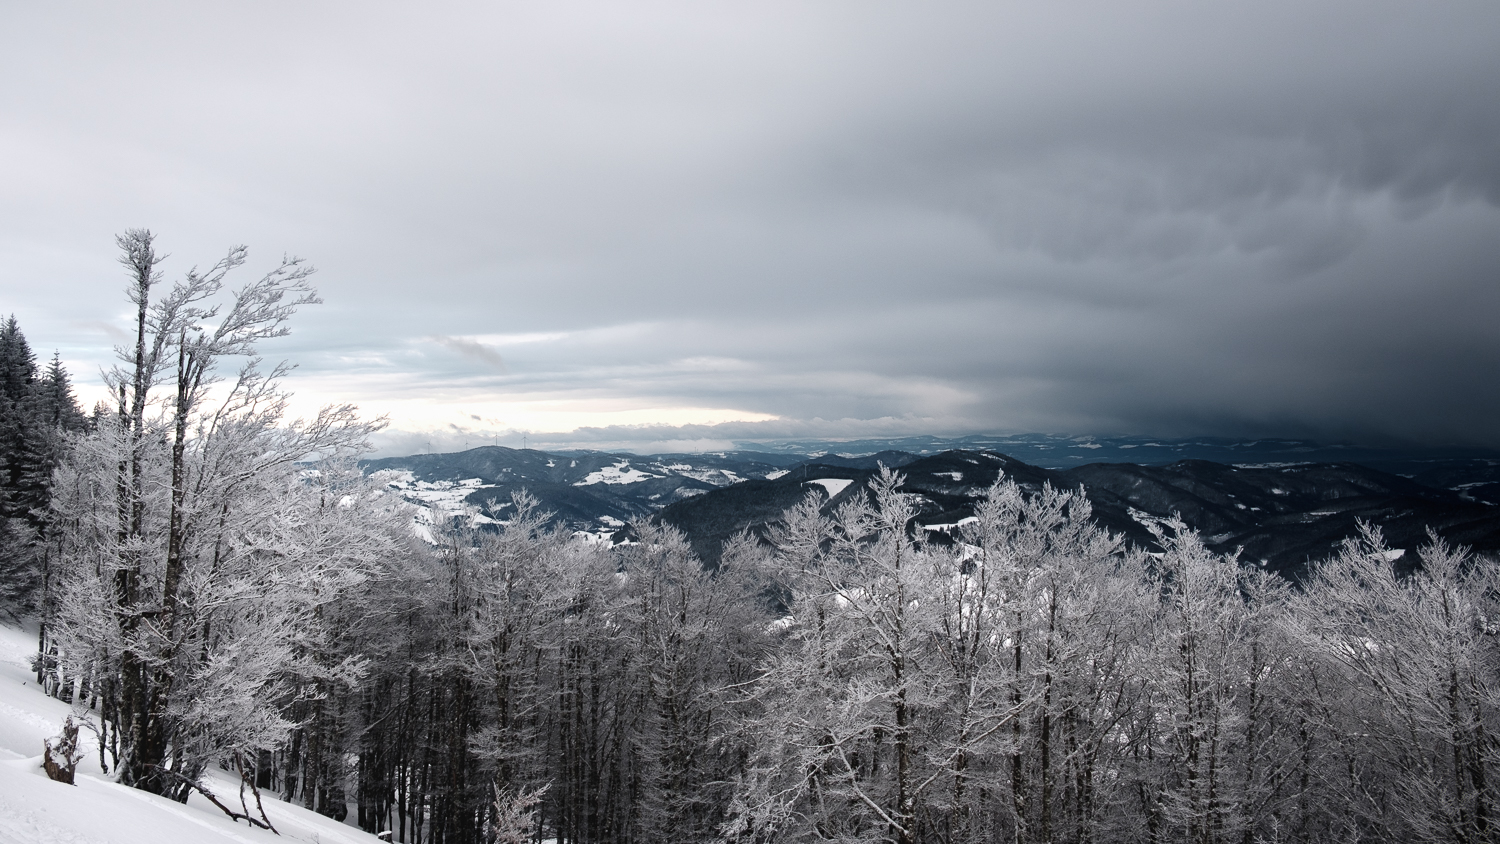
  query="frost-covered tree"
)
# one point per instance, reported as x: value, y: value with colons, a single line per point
x: 933, y: 693
x: 692, y: 651
x: 1199, y: 675
x: 189, y: 570
x: 1069, y: 628
x: 838, y: 756
x: 1410, y: 665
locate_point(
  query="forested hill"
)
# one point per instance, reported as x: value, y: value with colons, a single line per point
x: 596, y: 492
x: 1280, y: 514
x: 1058, y: 451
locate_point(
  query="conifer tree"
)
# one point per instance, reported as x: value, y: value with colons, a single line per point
x: 18, y: 453
x: 36, y: 414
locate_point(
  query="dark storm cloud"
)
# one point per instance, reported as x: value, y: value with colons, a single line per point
x: 1264, y: 219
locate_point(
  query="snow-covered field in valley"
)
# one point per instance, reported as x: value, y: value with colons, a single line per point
x: 36, y: 810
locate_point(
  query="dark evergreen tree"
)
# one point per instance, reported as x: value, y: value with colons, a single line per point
x: 36, y: 412
x: 17, y: 363
x: 57, y: 408
x: 17, y: 415
x: 27, y: 451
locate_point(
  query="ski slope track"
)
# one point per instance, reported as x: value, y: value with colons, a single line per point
x: 36, y: 810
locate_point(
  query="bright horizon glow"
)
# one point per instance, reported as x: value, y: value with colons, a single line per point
x: 479, y: 417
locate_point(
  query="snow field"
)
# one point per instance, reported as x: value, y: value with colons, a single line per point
x: 833, y: 486
x: 620, y: 473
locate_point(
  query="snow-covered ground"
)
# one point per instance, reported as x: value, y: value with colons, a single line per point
x: 833, y: 486
x: 620, y: 473
x: 436, y: 501
x: 36, y: 810
x: 708, y: 475
x: 603, y: 535
x: 952, y: 525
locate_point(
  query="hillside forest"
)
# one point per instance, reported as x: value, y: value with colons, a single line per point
x: 219, y: 586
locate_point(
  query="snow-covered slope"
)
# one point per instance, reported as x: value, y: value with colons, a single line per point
x: 36, y: 810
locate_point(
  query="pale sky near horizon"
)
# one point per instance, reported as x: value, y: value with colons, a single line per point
x: 679, y: 224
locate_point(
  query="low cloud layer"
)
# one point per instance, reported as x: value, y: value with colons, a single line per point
x: 1270, y: 219
x: 473, y: 350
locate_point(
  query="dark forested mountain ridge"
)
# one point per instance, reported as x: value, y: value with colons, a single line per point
x: 1284, y: 516
x: 1280, y: 516
x: 947, y: 483
x: 1056, y: 451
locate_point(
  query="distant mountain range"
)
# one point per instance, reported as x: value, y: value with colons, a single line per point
x: 1281, y: 502
x: 591, y: 491
x: 1051, y: 451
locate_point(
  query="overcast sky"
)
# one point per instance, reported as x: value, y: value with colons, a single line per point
x: 673, y: 225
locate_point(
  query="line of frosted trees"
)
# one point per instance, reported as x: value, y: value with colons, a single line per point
x: 218, y: 603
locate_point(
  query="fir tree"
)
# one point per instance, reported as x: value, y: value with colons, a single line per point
x: 57, y: 408
x: 35, y: 415
x: 17, y: 363
x: 17, y: 376
x: 18, y: 467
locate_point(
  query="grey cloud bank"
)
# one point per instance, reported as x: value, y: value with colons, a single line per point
x: 1270, y: 219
